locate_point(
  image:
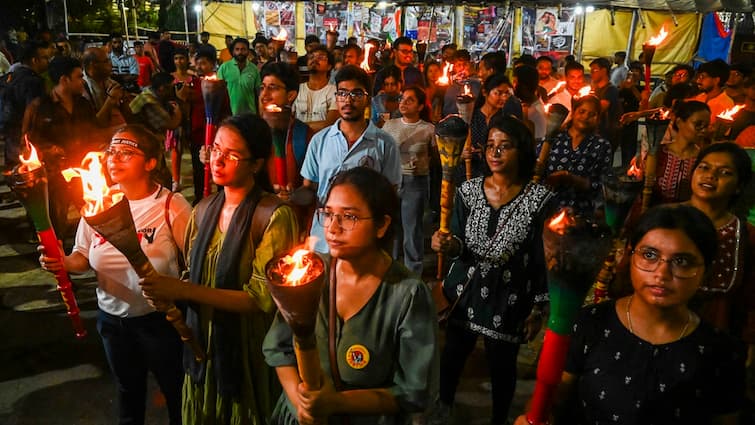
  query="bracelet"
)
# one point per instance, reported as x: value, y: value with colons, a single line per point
x: 461, y: 248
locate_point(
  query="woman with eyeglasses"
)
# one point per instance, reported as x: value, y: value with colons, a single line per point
x: 415, y: 140
x: 385, y: 105
x: 376, y: 320
x: 135, y: 336
x: 496, y: 90
x: 579, y: 158
x: 498, y: 273
x: 721, y: 174
x: 231, y: 237
x: 648, y: 358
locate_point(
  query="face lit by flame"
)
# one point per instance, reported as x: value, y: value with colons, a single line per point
x: 33, y: 162
x: 445, y: 79
x: 561, y: 222
x: 300, y: 267
x: 98, y: 197
x: 728, y: 114
x: 634, y: 171
x: 658, y: 39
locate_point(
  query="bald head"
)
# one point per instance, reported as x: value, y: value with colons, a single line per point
x: 96, y: 64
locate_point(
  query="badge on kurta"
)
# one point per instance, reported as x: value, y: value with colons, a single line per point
x: 357, y: 356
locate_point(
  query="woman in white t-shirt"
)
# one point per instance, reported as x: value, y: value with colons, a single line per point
x: 136, y: 338
x: 415, y: 140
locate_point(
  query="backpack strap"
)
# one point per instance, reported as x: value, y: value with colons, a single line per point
x: 264, y: 210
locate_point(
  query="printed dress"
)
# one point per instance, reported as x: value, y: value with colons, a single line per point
x: 503, y: 254
x: 390, y: 343
x: 624, y: 379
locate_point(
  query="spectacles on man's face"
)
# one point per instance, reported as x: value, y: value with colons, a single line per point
x: 355, y: 95
x: 346, y: 222
x: 682, y: 266
x: 406, y: 51
x: 217, y: 153
x: 121, y: 155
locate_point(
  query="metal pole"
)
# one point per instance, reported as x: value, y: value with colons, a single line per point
x: 186, y: 24
x: 630, y: 41
x: 65, y: 16
x: 136, y: 24
x: 125, y: 20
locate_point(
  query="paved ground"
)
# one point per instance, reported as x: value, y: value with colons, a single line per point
x: 47, y: 376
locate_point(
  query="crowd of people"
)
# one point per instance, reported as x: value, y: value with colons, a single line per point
x: 317, y: 150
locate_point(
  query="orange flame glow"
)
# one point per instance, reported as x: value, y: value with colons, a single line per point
x: 98, y: 197
x: 467, y: 91
x: 444, y: 79
x: 213, y: 77
x: 558, y: 87
x: 584, y: 91
x: 658, y: 39
x: 665, y: 113
x: 547, y: 108
x: 366, y: 62
x: 560, y: 223
x: 634, y: 171
x: 31, y: 164
x: 728, y: 114
x: 273, y: 108
x: 300, y: 268
x: 282, y: 35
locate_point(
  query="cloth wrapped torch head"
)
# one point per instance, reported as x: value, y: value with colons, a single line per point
x: 450, y: 134
x: 214, y: 93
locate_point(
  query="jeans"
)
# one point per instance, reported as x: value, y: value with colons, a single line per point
x: 501, y: 356
x: 414, y: 192
x: 135, y: 345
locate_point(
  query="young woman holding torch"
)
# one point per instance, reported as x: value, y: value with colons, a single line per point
x: 377, y: 316
x: 498, y: 274
x: 136, y: 338
x: 648, y: 358
x: 231, y: 236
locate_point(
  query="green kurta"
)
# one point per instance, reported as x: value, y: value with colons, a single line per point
x: 202, y: 405
x: 390, y: 343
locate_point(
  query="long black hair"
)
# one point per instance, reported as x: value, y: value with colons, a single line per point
x: 258, y: 139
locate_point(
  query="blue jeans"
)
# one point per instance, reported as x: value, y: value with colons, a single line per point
x: 135, y: 345
x: 414, y: 192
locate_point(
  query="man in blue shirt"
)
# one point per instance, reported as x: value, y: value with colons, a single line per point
x: 350, y: 142
x: 125, y: 67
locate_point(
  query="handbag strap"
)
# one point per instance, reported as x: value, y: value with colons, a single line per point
x: 509, y: 212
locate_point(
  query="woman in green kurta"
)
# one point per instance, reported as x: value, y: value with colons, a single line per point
x: 385, y: 326
x: 228, y: 305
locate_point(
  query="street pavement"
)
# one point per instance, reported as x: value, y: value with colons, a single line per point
x: 48, y: 377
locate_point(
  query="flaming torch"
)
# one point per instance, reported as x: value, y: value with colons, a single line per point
x: 279, y: 41
x: 449, y: 135
x: 366, y: 61
x: 723, y: 122
x: 214, y: 95
x: 557, y: 113
x: 554, y: 91
x: 571, y: 245
x: 29, y: 181
x: 619, y: 190
x: 279, y: 120
x: 648, y: 50
x: 656, y: 126
x: 295, y: 283
x: 109, y: 214
x: 465, y: 105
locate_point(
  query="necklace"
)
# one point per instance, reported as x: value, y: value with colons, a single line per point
x: 631, y: 329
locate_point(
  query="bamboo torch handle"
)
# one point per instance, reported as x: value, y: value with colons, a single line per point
x: 542, y: 160
x: 308, y: 361
x: 647, y: 190
x: 468, y: 148
x: 209, y: 135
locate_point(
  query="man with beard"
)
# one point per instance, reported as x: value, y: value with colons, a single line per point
x: 711, y: 80
x: 125, y: 67
x: 62, y: 125
x: 316, y: 103
x: 350, y: 142
x: 403, y: 51
x: 241, y: 77
x: 610, y: 106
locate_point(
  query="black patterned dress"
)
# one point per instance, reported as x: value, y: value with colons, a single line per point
x: 624, y: 379
x: 503, y: 254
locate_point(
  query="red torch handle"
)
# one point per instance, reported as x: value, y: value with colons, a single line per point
x: 50, y: 242
x: 209, y: 136
x: 647, y: 87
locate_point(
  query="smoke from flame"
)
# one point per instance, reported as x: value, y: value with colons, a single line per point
x: 98, y: 197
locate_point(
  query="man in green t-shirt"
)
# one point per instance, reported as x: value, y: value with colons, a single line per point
x: 242, y: 78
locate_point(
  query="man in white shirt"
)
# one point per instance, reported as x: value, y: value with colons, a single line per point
x: 316, y: 102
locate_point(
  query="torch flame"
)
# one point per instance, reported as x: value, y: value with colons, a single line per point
x: 584, y: 91
x: 444, y: 79
x: 300, y: 268
x: 330, y: 26
x: 634, y: 171
x: 547, y: 108
x: 366, y: 62
x: 665, y: 113
x: 728, y: 114
x: 558, y: 87
x: 282, y: 35
x: 273, y: 108
x: 212, y: 77
x: 561, y: 222
x: 98, y: 197
x: 467, y: 90
x: 658, y: 39
x: 31, y: 164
